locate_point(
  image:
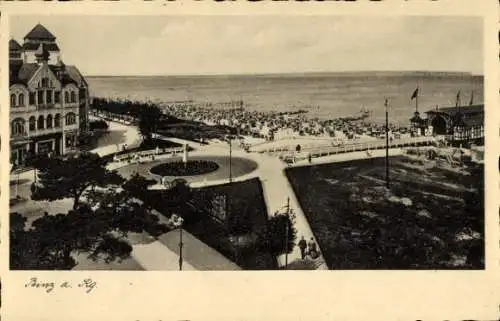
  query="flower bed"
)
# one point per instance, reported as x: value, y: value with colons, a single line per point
x: 191, y: 168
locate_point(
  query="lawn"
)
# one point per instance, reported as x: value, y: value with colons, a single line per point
x: 247, y: 207
x: 431, y: 218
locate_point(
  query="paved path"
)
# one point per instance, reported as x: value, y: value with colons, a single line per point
x: 157, y: 257
x: 277, y: 189
x: 129, y: 135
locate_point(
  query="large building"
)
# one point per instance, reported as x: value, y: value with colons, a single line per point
x: 460, y: 125
x: 49, y: 101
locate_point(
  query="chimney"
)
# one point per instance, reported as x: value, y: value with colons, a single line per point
x: 42, y: 55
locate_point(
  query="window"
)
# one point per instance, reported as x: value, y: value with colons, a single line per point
x: 49, y: 96
x: 57, y: 121
x: 41, y: 122
x: 40, y: 97
x: 66, y: 97
x: 18, y: 126
x: 32, y: 98
x: 13, y: 100
x: 73, y: 97
x: 32, y: 123
x: 45, y: 82
x: 57, y: 97
x: 21, y: 99
x: 51, y: 84
x: 70, y: 119
x: 49, y: 121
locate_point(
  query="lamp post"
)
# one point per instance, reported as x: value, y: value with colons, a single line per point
x: 386, y: 104
x: 178, y: 222
x: 286, y: 231
x: 230, y: 160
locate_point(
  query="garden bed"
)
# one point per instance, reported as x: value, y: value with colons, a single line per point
x: 190, y: 168
x: 248, y: 212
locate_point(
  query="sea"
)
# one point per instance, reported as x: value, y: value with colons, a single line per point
x: 323, y: 95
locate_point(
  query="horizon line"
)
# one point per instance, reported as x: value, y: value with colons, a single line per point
x: 292, y: 73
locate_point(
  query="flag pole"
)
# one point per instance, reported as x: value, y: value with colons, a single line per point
x: 416, y: 101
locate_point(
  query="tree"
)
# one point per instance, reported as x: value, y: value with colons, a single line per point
x: 99, y: 228
x: 149, y: 119
x: 273, y: 237
x: 70, y: 177
x: 239, y: 221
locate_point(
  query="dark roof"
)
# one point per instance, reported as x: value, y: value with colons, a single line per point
x: 14, y: 45
x: 76, y: 75
x: 39, y: 32
x: 71, y: 74
x: 451, y: 111
x: 32, y: 46
x: 416, y: 118
x: 474, y: 120
x: 21, y: 73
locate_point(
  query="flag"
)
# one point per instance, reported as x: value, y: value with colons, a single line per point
x: 415, y: 94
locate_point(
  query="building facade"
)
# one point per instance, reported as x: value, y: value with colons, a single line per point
x: 49, y: 101
x: 461, y: 125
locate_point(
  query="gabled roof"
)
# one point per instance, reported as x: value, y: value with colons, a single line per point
x: 14, y: 45
x: 76, y: 75
x: 21, y: 73
x: 33, y: 46
x: 71, y: 74
x: 39, y: 32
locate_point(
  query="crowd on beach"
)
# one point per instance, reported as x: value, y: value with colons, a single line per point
x: 273, y: 125
x: 266, y: 125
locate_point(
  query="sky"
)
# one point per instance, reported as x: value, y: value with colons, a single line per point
x: 197, y: 45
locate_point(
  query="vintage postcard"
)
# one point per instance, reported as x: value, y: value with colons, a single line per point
x: 152, y: 149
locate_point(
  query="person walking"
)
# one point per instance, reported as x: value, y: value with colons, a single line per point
x: 302, y: 246
x: 313, y: 252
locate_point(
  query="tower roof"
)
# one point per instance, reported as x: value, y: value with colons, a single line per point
x: 14, y: 45
x: 39, y: 32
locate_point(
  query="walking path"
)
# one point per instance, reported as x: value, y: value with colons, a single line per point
x: 157, y: 257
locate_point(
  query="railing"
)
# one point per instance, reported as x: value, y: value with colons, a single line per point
x: 147, y: 153
x: 348, y: 148
x: 45, y: 131
x: 19, y: 136
x: 47, y: 106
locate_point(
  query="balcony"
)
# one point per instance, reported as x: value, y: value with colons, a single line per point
x: 17, y: 137
x: 22, y: 109
x: 47, y: 106
x: 45, y: 131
